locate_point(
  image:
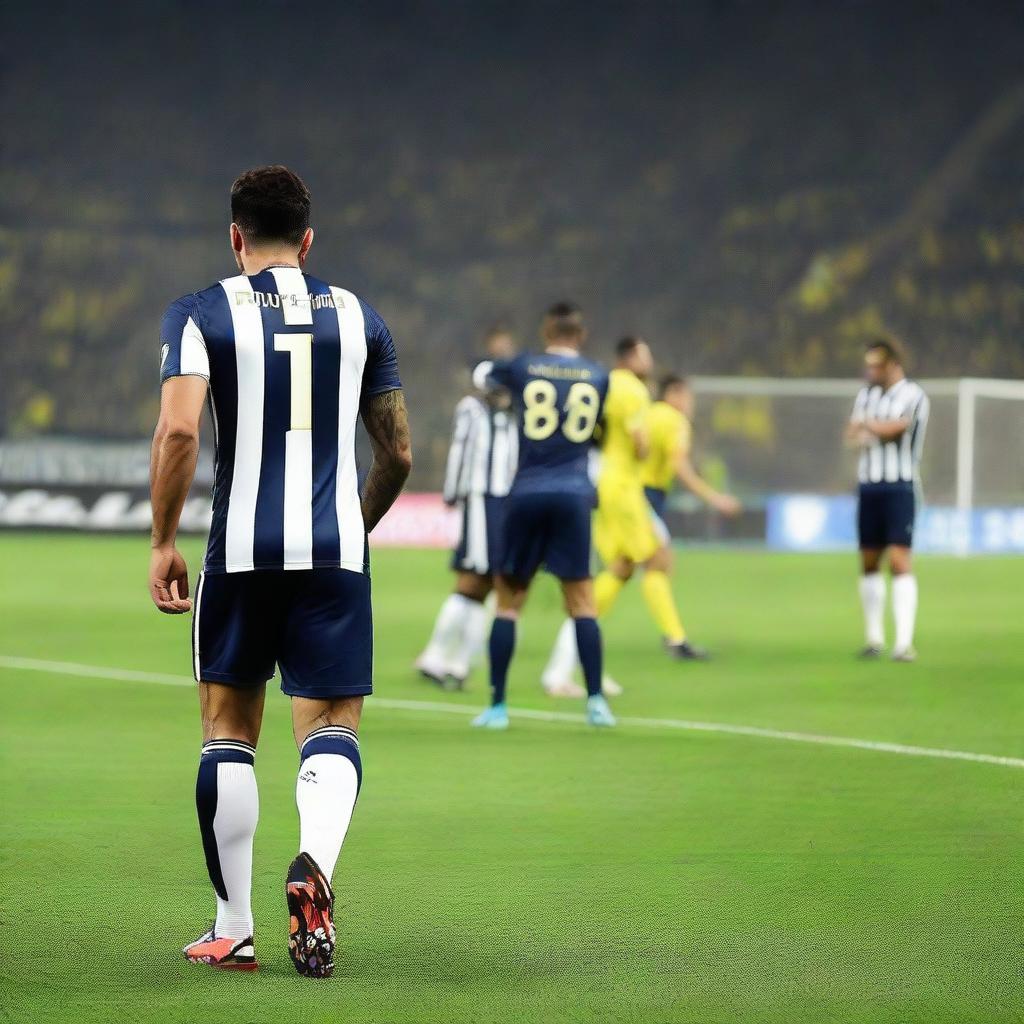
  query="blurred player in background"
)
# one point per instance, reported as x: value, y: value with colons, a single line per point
x: 669, y: 432
x: 288, y: 362
x: 481, y: 463
x: 560, y: 397
x: 888, y: 425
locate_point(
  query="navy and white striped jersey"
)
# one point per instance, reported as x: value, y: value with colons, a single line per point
x: 484, y: 452
x: 289, y: 359
x: 895, y: 461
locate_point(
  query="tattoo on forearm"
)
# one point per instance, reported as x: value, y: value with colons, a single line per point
x: 387, y: 423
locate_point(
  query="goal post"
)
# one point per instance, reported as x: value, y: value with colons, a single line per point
x: 777, y: 442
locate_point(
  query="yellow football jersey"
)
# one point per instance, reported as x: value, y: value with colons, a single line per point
x: 625, y: 409
x: 669, y: 431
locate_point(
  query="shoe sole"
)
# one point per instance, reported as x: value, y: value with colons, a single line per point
x: 231, y: 965
x: 312, y: 953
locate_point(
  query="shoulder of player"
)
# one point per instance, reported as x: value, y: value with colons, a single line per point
x: 178, y: 313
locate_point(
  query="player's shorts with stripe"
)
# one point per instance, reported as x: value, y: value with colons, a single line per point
x: 479, y: 546
x: 658, y: 500
x: 315, y: 624
x: 885, y: 514
x: 549, y: 529
x: 624, y: 524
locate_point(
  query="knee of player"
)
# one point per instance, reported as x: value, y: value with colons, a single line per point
x: 623, y: 570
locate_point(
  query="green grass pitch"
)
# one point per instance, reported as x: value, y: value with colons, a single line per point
x: 551, y: 873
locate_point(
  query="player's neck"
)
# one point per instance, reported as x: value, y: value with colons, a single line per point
x: 561, y: 350
x: 895, y: 379
x: 256, y: 262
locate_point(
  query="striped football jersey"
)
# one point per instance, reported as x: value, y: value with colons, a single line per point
x: 289, y: 359
x: 896, y: 461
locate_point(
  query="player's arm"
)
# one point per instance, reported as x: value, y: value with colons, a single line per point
x: 172, y: 467
x: 856, y: 435
x: 387, y: 423
x: 493, y: 374
x: 382, y: 408
x: 641, y: 441
x: 887, y: 430
x: 693, y: 481
x: 457, y: 452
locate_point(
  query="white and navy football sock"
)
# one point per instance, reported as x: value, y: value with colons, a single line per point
x: 229, y: 807
x: 872, y: 599
x: 330, y: 774
x: 904, y: 610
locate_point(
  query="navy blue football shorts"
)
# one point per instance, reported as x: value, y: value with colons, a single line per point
x: 885, y: 515
x: 479, y: 546
x: 315, y: 624
x: 552, y: 530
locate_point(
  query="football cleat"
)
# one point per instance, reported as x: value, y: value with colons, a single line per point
x: 869, y: 652
x: 556, y: 687
x: 456, y: 681
x: 311, y: 930
x: 598, y: 712
x: 221, y: 951
x: 494, y: 717
x: 431, y: 670
x: 906, y: 654
x: 685, y: 651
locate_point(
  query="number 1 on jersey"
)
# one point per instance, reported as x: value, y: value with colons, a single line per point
x: 300, y: 350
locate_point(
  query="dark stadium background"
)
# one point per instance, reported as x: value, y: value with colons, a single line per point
x: 756, y: 186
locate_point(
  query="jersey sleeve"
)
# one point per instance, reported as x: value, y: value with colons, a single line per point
x: 494, y: 373
x: 182, y: 346
x: 859, y: 406
x: 918, y: 408
x: 381, y: 371
x: 914, y: 403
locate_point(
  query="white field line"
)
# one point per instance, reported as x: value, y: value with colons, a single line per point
x: 70, y: 668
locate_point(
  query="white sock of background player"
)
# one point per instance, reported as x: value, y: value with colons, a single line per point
x: 872, y: 599
x: 904, y: 609
x: 469, y: 644
x: 447, y: 630
x: 565, y: 656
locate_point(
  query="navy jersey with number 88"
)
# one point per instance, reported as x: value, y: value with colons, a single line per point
x: 559, y: 398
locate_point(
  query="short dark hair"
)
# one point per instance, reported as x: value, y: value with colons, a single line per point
x: 670, y: 381
x: 890, y: 345
x: 270, y: 204
x: 563, y: 320
x: 627, y: 345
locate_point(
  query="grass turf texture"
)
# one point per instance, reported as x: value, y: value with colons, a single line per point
x: 553, y: 872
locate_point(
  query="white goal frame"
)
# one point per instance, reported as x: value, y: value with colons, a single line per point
x: 966, y: 390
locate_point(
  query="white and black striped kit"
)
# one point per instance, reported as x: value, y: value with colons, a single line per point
x: 896, y: 461
x: 481, y: 466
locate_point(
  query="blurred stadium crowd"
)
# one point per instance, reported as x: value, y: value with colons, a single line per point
x: 755, y: 187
